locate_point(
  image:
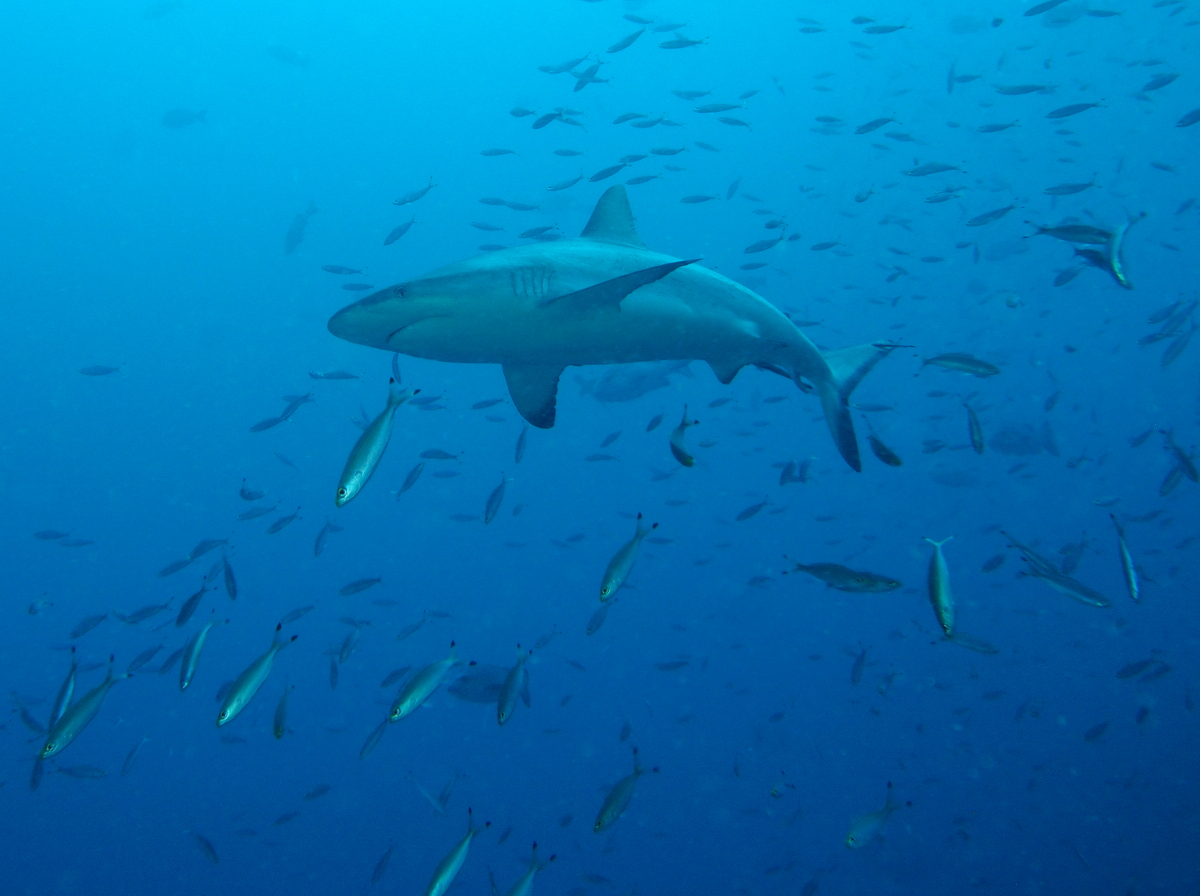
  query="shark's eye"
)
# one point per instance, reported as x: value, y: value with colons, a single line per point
x: 399, y: 292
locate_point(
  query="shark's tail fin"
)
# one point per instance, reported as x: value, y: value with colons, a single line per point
x: 847, y: 368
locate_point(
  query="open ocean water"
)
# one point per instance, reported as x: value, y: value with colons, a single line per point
x: 784, y: 686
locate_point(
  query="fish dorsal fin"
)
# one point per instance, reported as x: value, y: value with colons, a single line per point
x: 612, y: 220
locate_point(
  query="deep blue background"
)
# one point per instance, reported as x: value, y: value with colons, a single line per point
x: 161, y: 250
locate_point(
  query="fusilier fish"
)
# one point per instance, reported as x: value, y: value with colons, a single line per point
x: 963, y: 363
x: 414, y: 195
x: 279, y: 723
x: 626, y: 41
x: 66, y: 693
x: 514, y: 681
x: 421, y: 686
x: 448, y: 868
x: 230, y: 582
x: 1041, y: 568
x: 495, y: 499
x: 1128, y: 568
x: 865, y: 829
x: 940, y: 595
x: 524, y: 884
x: 598, y: 618
x: 283, y: 522
x: 878, y: 448
x: 189, y: 608
x: 678, y: 448
x: 77, y: 716
x: 1073, y: 109
x: 369, y: 448
x: 619, y: 797
x: 989, y: 217
x: 974, y: 430
x: 622, y: 561
x: 843, y: 578
x: 248, y: 683
x: 398, y: 231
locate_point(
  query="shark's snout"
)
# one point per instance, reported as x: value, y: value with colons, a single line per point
x: 370, y: 320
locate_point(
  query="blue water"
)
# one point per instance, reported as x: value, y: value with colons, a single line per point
x: 160, y: 250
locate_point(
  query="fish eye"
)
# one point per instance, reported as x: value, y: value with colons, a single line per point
x: 399, y: 292
x: 342, y: 491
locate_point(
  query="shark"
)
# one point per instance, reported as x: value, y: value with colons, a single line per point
x: 601, y: 298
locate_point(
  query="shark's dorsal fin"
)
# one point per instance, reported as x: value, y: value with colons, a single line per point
x: 612, y: 220
x: 534, y: 388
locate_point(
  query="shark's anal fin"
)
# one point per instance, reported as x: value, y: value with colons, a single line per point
x: 533, y: 388
x: 609, y: 293
x: 612, y: 220
x: 725, y: 371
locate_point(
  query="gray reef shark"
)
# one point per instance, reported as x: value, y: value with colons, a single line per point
x: 603, y: 298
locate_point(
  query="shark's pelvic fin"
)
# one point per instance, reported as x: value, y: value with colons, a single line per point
x: 534, y: 388
x: 612, y: 220
x: 847, y: 368
x: 609, y: 293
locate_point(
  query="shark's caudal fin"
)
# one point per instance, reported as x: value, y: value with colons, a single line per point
x: 534, y: 388
x: 847, y: 367
x: 612, y: 220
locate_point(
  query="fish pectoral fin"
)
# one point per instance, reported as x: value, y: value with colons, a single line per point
x: 610, y: 293
x: 726, y: 370
x: 534, y: 388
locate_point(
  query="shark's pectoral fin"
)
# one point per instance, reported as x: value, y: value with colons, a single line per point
x: 609, y: 293
x: 725, y: 370
x: 533, y: 388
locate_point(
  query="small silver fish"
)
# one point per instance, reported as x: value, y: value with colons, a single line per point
x: 495, y: 499
x: 516, y: 679
x: 1128, y: 568
x: 248, y: 683
x: 448, y: 867
x: 622, y: 561
x: 77, y: 717
x: 678, y: 448
x: 524, y: 884
x: 191, y: 656
x: 619, y: 797
x: 421, y: 686
x: 865, y: 829
x: 940, y: 595
x: 369, y: 448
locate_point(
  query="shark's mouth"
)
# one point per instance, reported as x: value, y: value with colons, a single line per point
x: 412, y: 323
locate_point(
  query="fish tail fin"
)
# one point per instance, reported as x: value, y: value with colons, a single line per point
x: 847, y: 367
x: 841, y: 427
x: 396, y: 395
x: 937, y: 544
